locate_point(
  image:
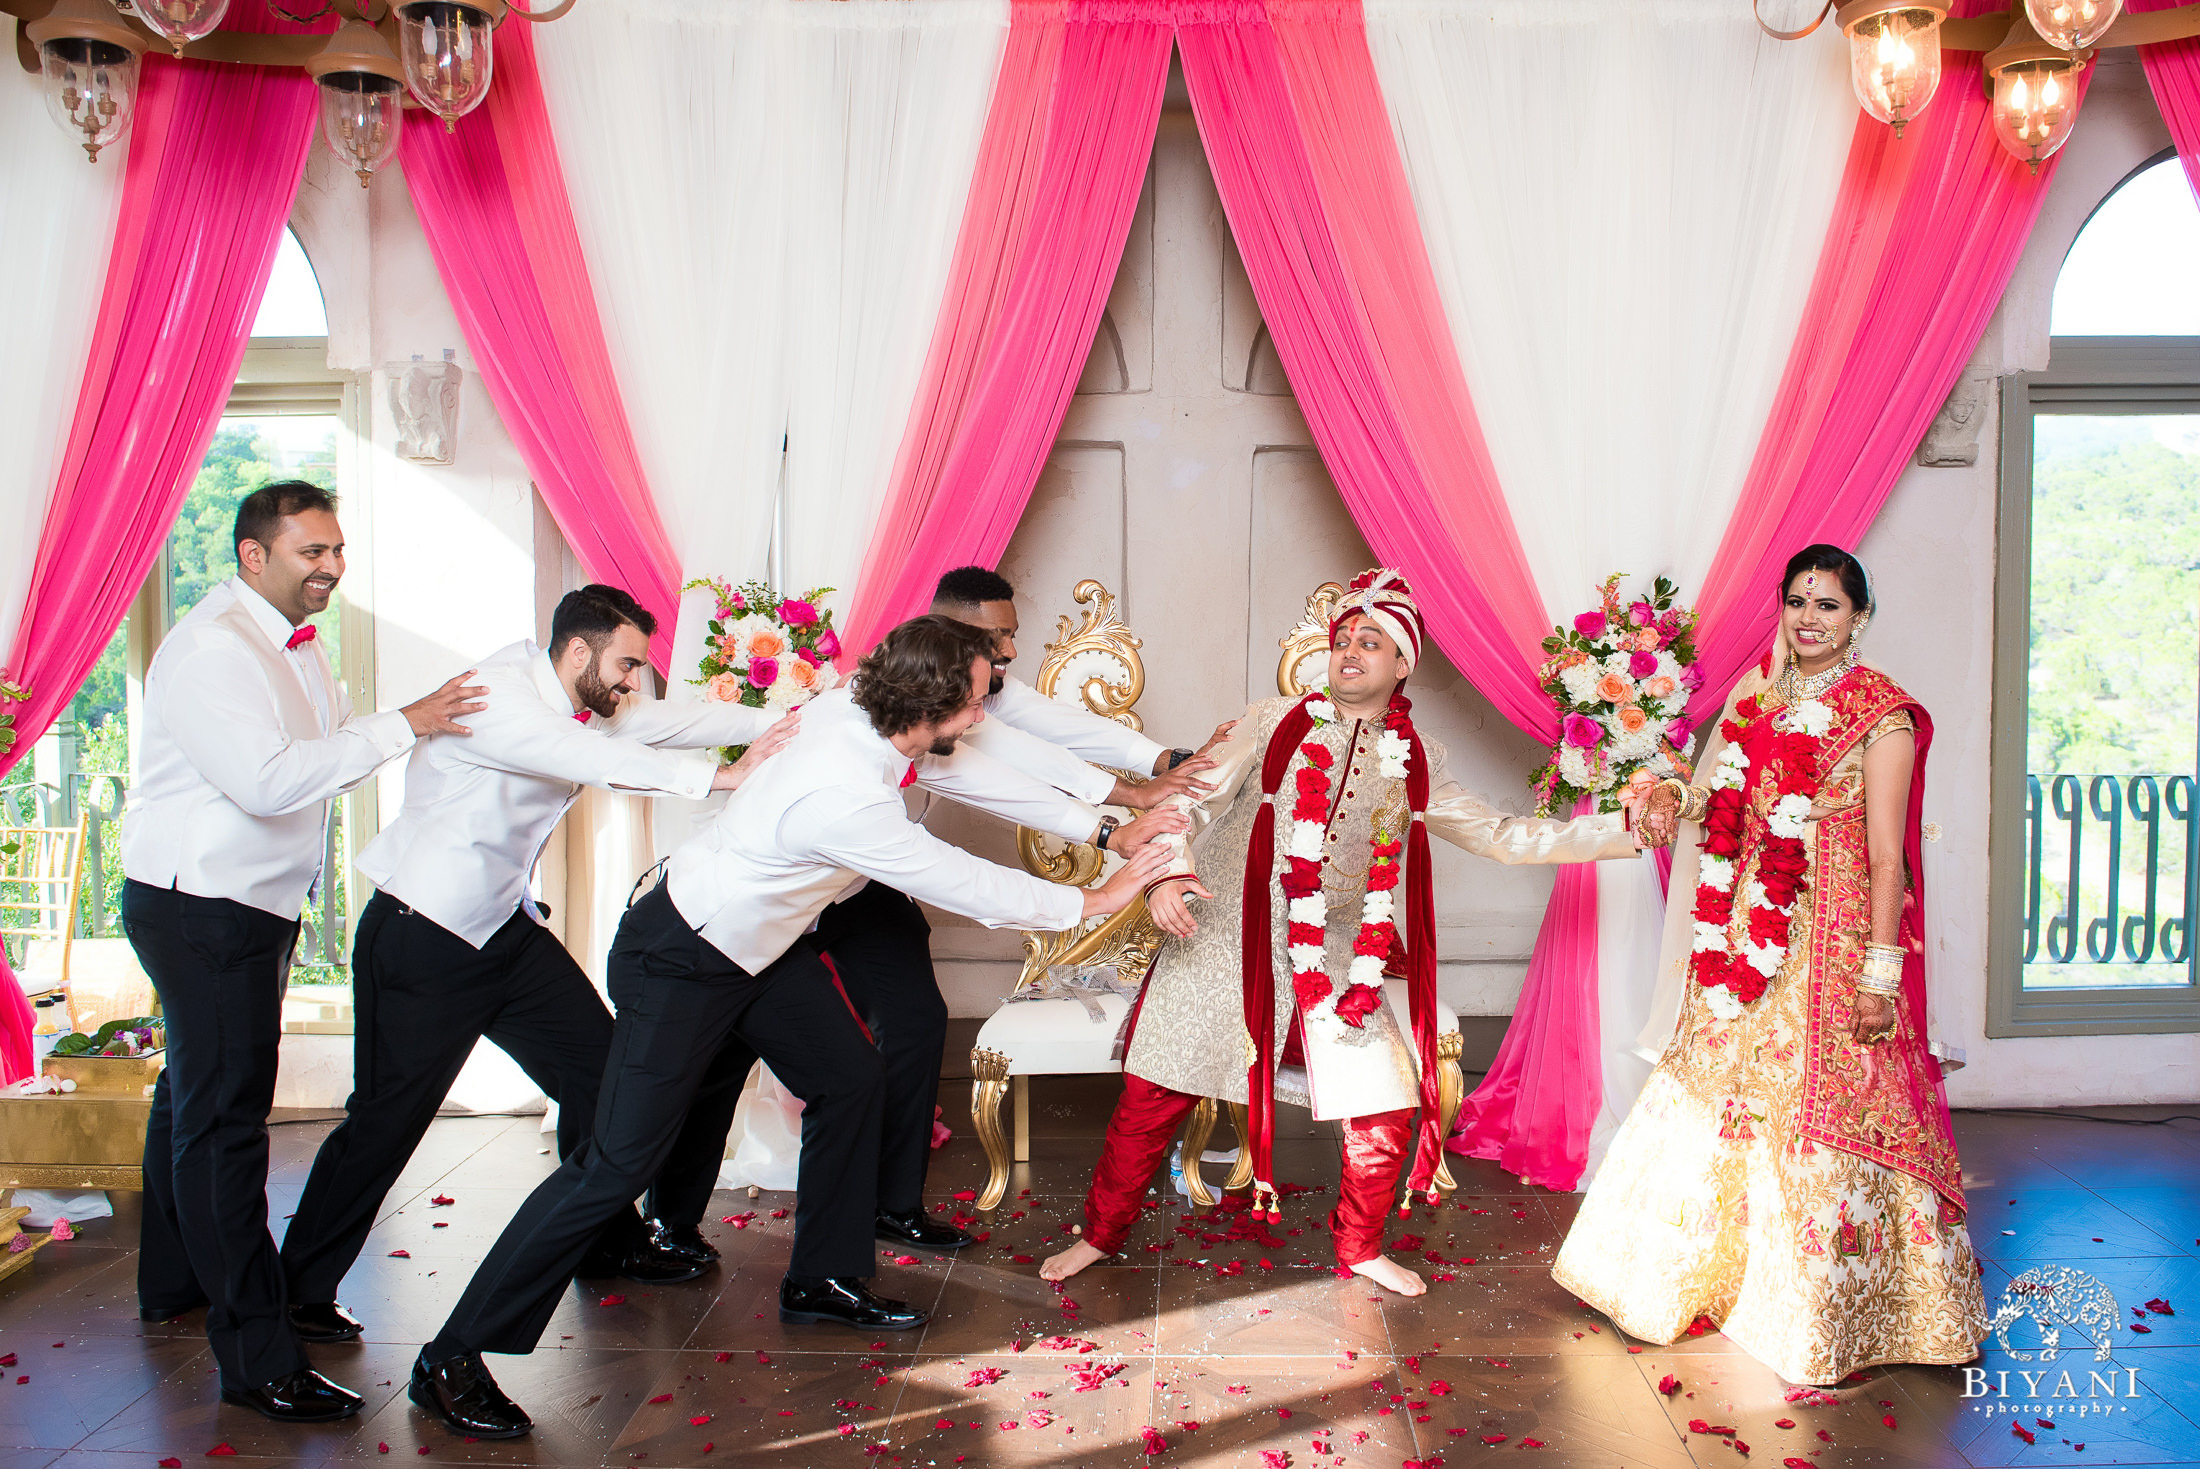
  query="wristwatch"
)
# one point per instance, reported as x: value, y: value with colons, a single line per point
x: 1108, y: 824
x: 1178, y: 757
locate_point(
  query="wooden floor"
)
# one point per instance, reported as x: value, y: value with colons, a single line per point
x: 1229, y: 1352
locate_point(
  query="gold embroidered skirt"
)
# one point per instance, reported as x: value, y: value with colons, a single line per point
x: 1813, y: 1260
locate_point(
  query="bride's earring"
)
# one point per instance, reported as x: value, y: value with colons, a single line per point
x: 1856, y: 634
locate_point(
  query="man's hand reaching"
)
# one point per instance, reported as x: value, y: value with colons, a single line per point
x: 762, y: 748
x: 1132, y: 836
x: 1167, y: 905
x: 438, y: 713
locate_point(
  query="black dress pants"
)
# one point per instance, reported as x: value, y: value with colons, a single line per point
x: 423, y: 997
x: 880, y: 948
x: 219, y: 968
x: 680, y: 1002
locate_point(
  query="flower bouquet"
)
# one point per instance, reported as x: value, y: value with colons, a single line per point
x: 764, y: 650
x: 1621, y: 677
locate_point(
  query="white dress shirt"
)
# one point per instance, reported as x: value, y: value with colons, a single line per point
x: 1079, y: 734
x: 479, y: 808
x: 243, y: 744
x: 822, y: 816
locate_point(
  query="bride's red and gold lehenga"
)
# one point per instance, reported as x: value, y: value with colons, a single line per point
x: 1795, y: 1186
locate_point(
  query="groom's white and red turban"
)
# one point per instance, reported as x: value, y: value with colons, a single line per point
x: 1382, y: 596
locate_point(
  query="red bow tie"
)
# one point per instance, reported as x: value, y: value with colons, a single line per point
x: 305, y: 634
x: 581, y: 718
x: 909, y: 776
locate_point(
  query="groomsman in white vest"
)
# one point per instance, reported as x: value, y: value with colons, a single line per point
x: 452, y: 947
x: 717, y: 962
x: 245, y: 737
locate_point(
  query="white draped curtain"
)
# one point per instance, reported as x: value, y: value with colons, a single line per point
x: 768, y: 194
x: 57, y: 225
x: 1623, y: 203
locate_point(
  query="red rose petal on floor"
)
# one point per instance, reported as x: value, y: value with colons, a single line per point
x: 779, y: 1213
x: 905, y: 1259
x: 2160, y: 1307
x: 847, y: 1429
x: 1669, y: 1384
x: 708, y: 1447
x: 1494, y: 1439
x: 699, y: 1420
x: 1888, y: 1420
x: 421, y: 1450
x: 21, y: 1380
x: 663, y: 1397
x: 1791, y: 1462
x: 2142, y: 1330
x: 965, y: 1195
x: 442, y: 1201
x: 763, y: 1359
x: 1283, y: 1412
x: 8, y: 1360
x: 725, y: 1356
x: 381, y: 1448
x: 401, y: 1254
x: 612, y: 1300
x: 1531, y: 1443
x: 1783, y: 1423
x: 2022, y: 1432
x: 2044, y: 1422
x: 221, y: 1451
x: 171, y: 1464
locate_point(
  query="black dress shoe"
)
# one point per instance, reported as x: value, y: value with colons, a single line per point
x: 460, y: 1393
x: 646, y: 1264
x: 324, y: 1322
x: 913, y: 1228
x: 305, y: 1396
x: 169, y: 1313
x: 683, y: 1240
x: 847, y: 1300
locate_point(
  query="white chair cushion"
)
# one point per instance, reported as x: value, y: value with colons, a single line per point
x: 1055, y: 1037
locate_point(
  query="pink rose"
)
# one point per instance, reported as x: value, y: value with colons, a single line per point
x: 1642, y: 614
x: 1642, y: 664
x: 807, y: 656
x: 1590, y: 624
x: 763, y: 672
x: 828, y: 644
x: 1582, y: 732
x: 725, y: 688
x: 1692, y: 678
x: 797, y: 614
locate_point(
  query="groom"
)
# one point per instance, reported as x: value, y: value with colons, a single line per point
x: 1320, y: 816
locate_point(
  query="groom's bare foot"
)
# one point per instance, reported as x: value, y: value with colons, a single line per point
x: 1391, y: 1275
x: 1070, y: 1261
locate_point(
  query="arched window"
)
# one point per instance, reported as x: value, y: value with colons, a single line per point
x: 291, y: 305
x: 2097, y: 688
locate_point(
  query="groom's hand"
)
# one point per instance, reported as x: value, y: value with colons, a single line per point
x: 1170, y: 913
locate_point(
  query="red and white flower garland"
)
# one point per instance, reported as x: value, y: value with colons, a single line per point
x: 1788, y: 746
x: 1320, y: 1005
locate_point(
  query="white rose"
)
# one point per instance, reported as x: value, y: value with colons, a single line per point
x: 1786, y: 817
x: 1366, y: 969
x: 1306, y: 958
x: 1716, y: 872
x: 1731, y: 770
x: 1306, y: 841
x: 1764, y: 958
x: 1314, y: 910
x: 1378, y: 907
x: 1391, y: 750
x: 1710, y: 938
x: 1321, y: 711
x: 1722, y: 1002
x: 1810, y: 717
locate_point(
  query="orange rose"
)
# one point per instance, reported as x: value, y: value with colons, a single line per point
x: 1646, y: 641
x: 1613, y: 689
x: 765, y: 644
x: 1631, y: 718
x: 1660, y: 687
x: 725, y: 688
x: 803, y: 674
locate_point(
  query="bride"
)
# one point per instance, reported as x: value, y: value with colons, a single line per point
x: 1789, y: 1170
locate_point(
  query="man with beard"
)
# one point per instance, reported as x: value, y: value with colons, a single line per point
x: 452, y: 948
x: 244, y: 739
x: 716, y: 965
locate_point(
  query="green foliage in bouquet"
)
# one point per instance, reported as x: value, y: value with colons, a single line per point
x: 765, y: 650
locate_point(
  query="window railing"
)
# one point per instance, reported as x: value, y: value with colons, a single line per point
x: 2112, y: 879
x: 323, y: 943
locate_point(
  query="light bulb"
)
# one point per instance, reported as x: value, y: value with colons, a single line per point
x: 1894, y: 61
x: 447, y: 55
x: 2072, y: 25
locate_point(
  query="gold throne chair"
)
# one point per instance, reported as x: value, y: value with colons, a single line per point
x: 1062, y: 1017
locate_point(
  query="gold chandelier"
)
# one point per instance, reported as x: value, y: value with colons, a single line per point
x: 2034, y: 53
x: 436, y: 54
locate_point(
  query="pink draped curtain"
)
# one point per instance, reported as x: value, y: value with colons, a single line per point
x: 1042, y: 236
x: 492, y: 202
x: 2173, y: 71
x: 215, y: 155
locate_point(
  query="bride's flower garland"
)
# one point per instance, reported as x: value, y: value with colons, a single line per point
x: 1308, y: 911
x: 1788, y: 744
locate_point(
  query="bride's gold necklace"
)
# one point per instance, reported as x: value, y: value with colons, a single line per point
x: 1796, y: 686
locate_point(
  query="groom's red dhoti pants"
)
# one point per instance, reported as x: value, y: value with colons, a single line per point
x: 1147, y: 1117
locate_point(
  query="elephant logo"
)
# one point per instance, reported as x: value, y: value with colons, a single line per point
x: 2055, y: 1296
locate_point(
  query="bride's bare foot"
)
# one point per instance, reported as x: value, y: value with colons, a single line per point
x: 1070, y: 1261
x: 1390, y: 1275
